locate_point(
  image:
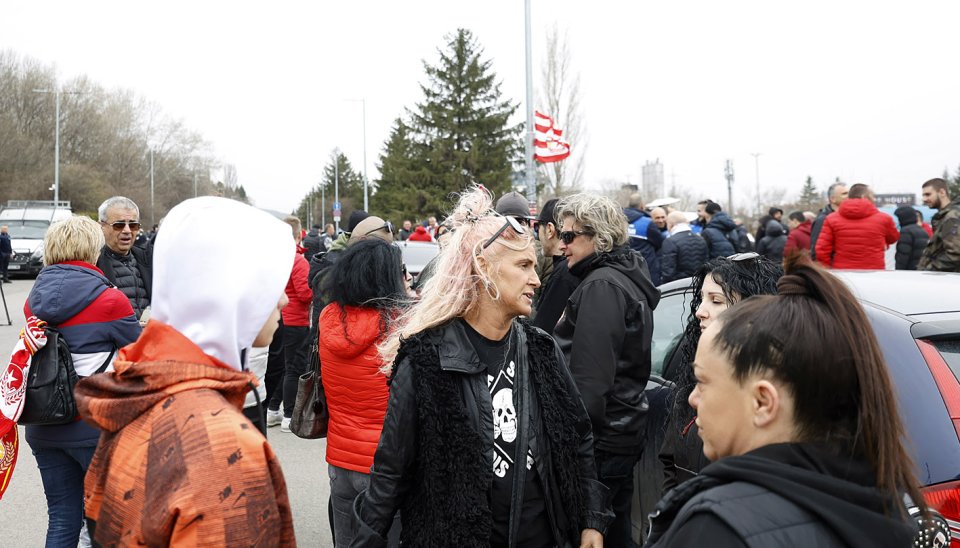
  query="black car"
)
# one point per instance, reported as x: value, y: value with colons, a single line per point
x: 916, y: 317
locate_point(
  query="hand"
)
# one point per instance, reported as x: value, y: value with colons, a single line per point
x: 591, y: 538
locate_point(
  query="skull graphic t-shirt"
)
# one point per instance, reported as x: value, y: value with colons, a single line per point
x: 499, y: 359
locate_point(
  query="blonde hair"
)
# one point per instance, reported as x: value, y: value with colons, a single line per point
x: 456, y: 287
x: 74, y: 239
x: 294, y: 223
x: 598, y: 216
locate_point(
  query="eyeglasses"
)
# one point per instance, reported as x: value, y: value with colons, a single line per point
x: 118, y: 225
x: 511, y: 222
x: 568, y: 236
x: 744, y: 256
x: 385, y: 226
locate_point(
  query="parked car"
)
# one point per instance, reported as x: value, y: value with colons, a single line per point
x: 27, y: 221
x: 416, y: 255
x: 916, y: 318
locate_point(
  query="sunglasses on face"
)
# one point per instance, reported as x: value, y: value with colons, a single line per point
x: 118, y: 225
x: 511, y: 222
x: 385, y: 226
x: 744, y: 256
x: 568, y: 236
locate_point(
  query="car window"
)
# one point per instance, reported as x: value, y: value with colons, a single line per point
x: 950, y: 350
x: 669, y: 320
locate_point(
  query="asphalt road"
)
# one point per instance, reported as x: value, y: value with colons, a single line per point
x: 25, y: 510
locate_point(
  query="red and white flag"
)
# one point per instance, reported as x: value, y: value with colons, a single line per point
x: 548, y: 145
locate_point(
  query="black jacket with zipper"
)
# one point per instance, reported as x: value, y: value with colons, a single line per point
x: 605, y: 335
x: 434, y: 462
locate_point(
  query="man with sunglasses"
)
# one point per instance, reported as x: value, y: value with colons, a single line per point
x: 127, y: 267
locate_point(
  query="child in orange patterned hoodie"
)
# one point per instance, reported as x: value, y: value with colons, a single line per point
x: 178, y: 463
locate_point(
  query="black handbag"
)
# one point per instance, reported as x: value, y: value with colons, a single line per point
x: 49, y: 396
x: 310, y: 413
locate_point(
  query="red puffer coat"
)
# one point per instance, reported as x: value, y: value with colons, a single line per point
x: 355, y: 388
x: 856, y: 236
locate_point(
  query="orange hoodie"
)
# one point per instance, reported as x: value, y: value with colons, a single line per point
x: 178, y: 464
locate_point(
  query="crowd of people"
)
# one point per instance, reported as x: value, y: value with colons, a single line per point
x: 498, y: 400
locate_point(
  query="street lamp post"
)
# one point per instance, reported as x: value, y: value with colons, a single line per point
x: 56, y: 145
x: 363, y: 102
x: 756, y: 166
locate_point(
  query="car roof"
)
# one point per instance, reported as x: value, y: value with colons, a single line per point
x: 933, y: 295
x: 907, y: 292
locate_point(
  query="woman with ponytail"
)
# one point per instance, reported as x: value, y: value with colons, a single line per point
x: 797, y: 410
x: 485, y: 441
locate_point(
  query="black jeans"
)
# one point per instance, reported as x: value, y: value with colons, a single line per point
x: 616, y: 472
x: 4, y: 264
x: 273, y: 378
x: 296, y: 347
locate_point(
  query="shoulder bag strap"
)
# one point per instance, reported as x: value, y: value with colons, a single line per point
x: 106, y: 363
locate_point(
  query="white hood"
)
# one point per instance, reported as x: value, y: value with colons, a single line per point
x: 219, y: 269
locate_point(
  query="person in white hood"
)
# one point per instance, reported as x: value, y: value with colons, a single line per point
x: 179, y: 463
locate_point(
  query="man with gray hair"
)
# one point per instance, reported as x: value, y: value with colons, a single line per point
x: 836, y: 194
x: 605, y: 334
x: 127, y: 267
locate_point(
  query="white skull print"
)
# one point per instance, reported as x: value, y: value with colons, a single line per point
x: 504, y: 416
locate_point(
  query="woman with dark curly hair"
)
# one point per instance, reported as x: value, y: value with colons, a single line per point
x: 717, y: 285
x: 366, y: 291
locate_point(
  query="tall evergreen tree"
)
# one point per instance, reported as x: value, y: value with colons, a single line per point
x: 953, y: 185
x: 459, y: 134
x: 810, y: 198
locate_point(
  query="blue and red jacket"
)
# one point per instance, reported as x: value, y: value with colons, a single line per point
x: 94, y: 318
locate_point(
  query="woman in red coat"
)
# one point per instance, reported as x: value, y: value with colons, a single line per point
x: 366, y: 289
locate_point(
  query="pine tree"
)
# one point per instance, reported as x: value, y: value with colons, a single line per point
x: 459, y: 134
x: 953, y: 186
x: 809, y: 197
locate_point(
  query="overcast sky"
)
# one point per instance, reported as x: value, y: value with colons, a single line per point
x: 867, y: 91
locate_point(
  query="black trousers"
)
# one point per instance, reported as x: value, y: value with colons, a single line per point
x: 296, y: 349
x: 616, y: 472
x: 4, y: 264
x: 273, y: 378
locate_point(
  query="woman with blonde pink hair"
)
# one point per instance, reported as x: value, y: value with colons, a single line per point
x: 485, y: 429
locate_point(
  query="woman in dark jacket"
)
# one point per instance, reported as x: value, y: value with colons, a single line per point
x: 95, y: 319
x: 485, y: 440
x: 717, y: 285
x: 913, y: 238
x: 797, y: 462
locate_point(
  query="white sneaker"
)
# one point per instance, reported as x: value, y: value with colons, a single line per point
x: 274, y: 417
x: 285, y: 424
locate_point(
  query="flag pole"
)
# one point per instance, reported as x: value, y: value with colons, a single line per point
x: 531, y: 168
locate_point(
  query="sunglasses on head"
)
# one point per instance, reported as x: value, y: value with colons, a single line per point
x: 511, y: 222
x: 118, y: 225
x: 744, y: 256
x: 568, y: 236
x: 385, y: 226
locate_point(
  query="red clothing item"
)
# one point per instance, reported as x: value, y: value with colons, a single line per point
x: 799, y: 238
x: 420, y: 234
x: 927, y: 228
x: 356, y: 390
x: 297, y: 312
x: 856, y: 236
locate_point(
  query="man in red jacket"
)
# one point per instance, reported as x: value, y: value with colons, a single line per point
x: 296, y: 334
x: 799, y: 235
x: 857, y: 235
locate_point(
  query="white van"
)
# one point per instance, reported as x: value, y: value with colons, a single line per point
x: 27, y: 221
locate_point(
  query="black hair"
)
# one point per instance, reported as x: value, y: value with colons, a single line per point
x: 712, y: 208
x: 855, y: 414
x: 368, y: 274
x: 797, y: 216
x: 548, y: 212
x: 738, y: 280
x: 774, y: 210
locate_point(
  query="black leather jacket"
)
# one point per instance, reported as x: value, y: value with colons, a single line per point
x: 427, y: 472
x: 605, y: 334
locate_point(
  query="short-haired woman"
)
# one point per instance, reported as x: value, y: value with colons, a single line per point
x: 366, y: 290
x: 485, y: 440
x: 95, y: 319
x: 797, y: 461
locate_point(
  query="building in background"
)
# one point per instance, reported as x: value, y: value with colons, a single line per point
x: 652, y: 180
